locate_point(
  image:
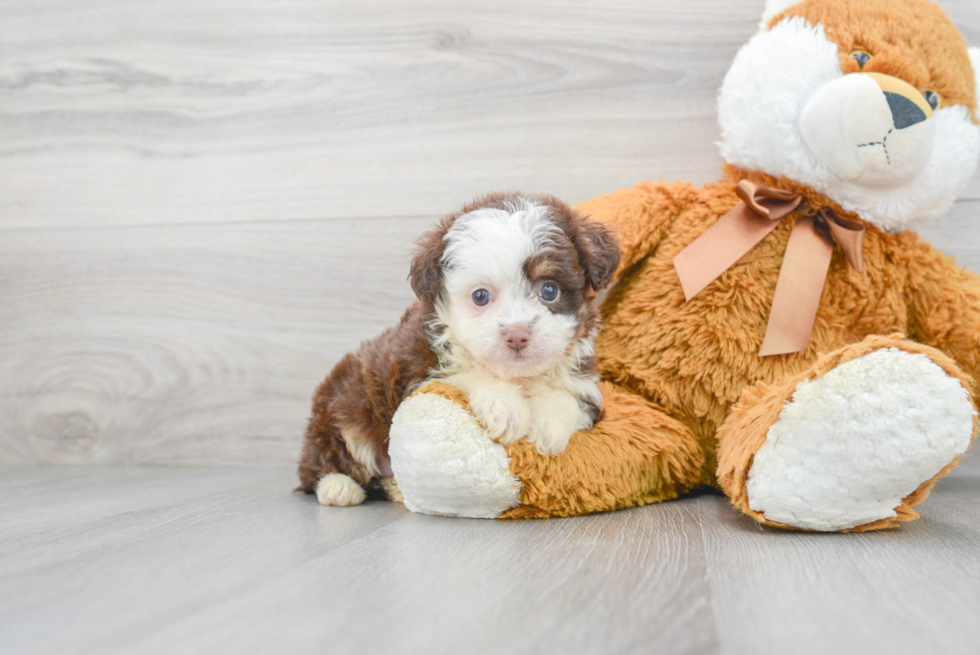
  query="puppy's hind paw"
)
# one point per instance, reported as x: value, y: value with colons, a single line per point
x: 339, y: 490
x: 392, y: 493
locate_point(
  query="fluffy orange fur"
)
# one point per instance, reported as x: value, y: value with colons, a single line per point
x: 636, y: 455
x: 688, y: 379
x: 688, y: 401
x: 913, y: 41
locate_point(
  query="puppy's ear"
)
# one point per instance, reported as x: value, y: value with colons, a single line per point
x: 425, y: 275
x: 598, y: 252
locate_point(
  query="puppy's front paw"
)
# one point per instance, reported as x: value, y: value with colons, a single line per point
x: 339, y: 490
x: 550, y: 432
x: 555, y: 417
x: 504, y: 416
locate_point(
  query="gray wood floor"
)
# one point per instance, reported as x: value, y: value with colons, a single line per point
x: 205, y: 203
x: 203, y: 560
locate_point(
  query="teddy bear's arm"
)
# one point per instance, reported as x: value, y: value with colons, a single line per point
x: 446, y: 463
x: 640, y: 216
x: 944, y: 303
x: 635, y: 455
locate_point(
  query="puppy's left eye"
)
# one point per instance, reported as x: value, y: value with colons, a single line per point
x: 932, y: 98
x: 549, y: 292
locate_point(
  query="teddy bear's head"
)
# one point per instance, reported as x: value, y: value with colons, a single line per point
x: 871, y: 102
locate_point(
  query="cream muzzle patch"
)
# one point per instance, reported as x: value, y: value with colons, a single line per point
x: 870, y: 129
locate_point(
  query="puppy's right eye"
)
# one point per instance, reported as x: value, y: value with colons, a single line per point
x: 481, y: 297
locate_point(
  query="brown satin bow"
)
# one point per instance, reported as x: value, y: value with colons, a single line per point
x: 805, y: 264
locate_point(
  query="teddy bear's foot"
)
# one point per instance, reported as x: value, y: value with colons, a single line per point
x: 854, y: 445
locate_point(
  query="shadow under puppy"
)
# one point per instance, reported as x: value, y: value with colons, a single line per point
x: 506, y: 312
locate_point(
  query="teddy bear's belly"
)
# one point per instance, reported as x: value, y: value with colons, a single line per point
x: 696, y: 358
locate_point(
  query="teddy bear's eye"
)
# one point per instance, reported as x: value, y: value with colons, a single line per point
x: 861, y: 57
x: 932, y: 98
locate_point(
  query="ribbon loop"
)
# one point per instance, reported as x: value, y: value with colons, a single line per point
x: 733, y: 235
x: 805, y: 264
x: 849, y: 235
x: 766, y: 201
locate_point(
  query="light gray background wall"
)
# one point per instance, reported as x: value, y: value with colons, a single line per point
x: 205, y: 203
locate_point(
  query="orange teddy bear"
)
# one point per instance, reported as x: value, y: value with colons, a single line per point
x: 780, y: 333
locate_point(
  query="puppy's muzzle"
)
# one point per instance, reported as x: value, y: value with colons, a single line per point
x: 517, y: 337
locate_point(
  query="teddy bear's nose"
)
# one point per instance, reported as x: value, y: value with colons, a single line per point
x: 905, y: 113
x: 908, y: 106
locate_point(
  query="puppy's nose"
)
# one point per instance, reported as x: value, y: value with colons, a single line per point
x: 517, y: 337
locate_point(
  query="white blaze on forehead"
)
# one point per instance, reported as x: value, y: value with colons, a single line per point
x: 492, y: 244
x: 488, y: 249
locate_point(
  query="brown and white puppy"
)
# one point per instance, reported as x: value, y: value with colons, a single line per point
x: 506, y: 312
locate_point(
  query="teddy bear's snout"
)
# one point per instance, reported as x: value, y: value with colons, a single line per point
x: 870, y: 129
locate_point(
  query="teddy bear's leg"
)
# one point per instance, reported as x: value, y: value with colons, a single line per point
x: 851, y: 444
x: 446, y: 463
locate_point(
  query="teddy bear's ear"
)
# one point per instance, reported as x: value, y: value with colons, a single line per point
x: 774, y: 7
x: 975, y: 60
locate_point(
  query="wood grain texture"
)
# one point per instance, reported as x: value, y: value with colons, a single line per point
x: 217, y: 111
x: 205, y: 203
x: 187, y: 343
x: 195, y: 560
x: 911, y: 590
x: 202, y: 560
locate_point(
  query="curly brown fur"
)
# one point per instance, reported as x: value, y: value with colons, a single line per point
x: 360, y: 396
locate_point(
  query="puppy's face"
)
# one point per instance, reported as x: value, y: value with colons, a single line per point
x: 516, y: 279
